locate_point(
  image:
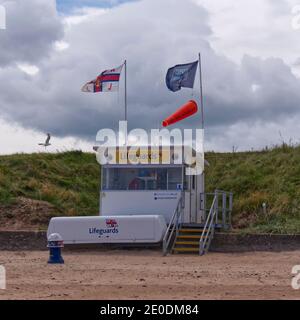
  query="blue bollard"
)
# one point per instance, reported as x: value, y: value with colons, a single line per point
x: 55, y: 243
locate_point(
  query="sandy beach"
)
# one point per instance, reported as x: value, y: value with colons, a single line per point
x: 145, y: 274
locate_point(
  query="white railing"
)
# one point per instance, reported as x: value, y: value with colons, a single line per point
x: 173, y: 227
x: 223, y: 205
x: 209, y: 228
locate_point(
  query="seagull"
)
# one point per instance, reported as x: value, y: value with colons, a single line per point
x: 46, y: 144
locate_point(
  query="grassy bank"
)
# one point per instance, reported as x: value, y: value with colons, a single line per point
x: 271, y: 177
x: 69, y: 182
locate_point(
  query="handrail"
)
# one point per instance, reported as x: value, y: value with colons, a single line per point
x: 173, y: 225
x: 223, y: 208
x: 223, y: 191
x: 208, y: 227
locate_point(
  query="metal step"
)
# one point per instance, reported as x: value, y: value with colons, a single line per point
x: 192, y: 225
x: 192, y: 230
x: 186, y: 250
x: 192, y: 243
x: 190, y: 236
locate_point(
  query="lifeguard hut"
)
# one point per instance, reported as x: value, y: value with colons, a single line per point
x: 164, y: 188
x: 144, y: 180
x: 146, y: 196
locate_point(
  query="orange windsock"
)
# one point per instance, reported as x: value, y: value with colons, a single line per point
x: 183, y: 112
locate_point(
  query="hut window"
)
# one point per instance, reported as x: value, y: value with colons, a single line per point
x: 142, y: 178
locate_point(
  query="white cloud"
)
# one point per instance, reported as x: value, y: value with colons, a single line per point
x: 2, y: 17
x: 255, y: 87
x: 28, y: 68
x: 80, y: 15
x: 61, y: 45
x: 257, y: 135
x: 254, y: 27
x: 15, y: 139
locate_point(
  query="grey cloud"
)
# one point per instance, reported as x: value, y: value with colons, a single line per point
x: 153, y: 35
x: 32, y: 28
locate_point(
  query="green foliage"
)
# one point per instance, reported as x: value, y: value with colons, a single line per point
x: 271, y: 176
x: 69, y: 180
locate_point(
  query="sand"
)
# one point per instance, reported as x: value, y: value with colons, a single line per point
x: 145, y: 274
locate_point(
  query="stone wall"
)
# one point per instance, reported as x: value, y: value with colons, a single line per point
x: 222, y: 242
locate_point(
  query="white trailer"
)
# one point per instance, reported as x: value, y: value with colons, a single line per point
x: 119, y: 229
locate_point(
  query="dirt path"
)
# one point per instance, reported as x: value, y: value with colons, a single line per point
x: 133, y: 274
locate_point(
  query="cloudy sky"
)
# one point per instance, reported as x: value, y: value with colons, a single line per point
x: 251, y: 69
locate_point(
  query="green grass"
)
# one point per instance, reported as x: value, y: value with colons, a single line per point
x: 270, y: 176
x: 70, y: 182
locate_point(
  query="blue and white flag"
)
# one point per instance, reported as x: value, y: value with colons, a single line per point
x: 182, y: 75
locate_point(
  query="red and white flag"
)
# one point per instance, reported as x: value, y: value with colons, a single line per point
x: 107, y: 81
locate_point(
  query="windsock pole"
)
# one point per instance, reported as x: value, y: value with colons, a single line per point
x: 125, y: 89
x: 201, y: 92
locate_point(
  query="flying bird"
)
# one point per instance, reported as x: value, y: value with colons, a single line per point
x: 46, y: 143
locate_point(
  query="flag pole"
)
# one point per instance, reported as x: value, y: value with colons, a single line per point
x: 201, y: 92
x: 125, y: 97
